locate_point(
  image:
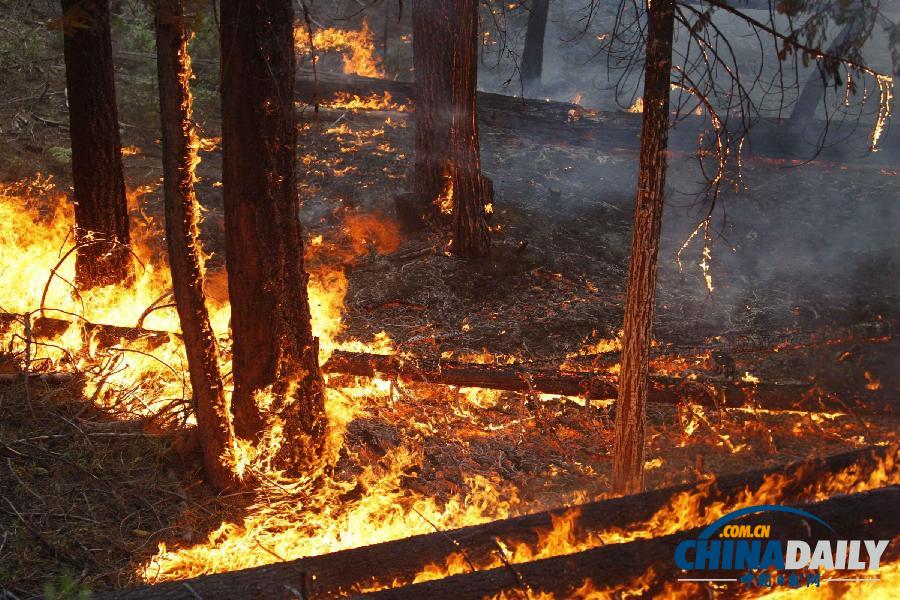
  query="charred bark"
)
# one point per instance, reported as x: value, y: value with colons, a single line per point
x: 432, y: 62
x: 101, y: 210
x: 715, y: 393
x: 533, y: 53
x: 448, y: 175
x: 345, y: 572
x: 180, y: 157
x: 274, y: 348
x: 470, y: 233
x: 628, y: 462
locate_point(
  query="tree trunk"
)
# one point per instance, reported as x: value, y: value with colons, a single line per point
x: 470, y: 233
x: 432, y: 63
x: 179, y: 151
x: 627, y: 476
x: 448, y: 176
x: 275, y: 353
x: 533, y: 53
x: 101, y: 210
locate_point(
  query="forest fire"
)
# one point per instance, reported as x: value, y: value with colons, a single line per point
x: 356, y: 46
x: 292, y: 346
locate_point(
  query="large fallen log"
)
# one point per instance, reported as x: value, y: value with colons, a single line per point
x: 565, y: 123
x: 602, y: 386
x: 648, y: 566
x: 397, y: 563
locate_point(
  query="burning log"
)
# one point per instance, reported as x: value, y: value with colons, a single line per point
x: 869, y: 515
x: 653, y: 513
x: 599, y: 386
x: 553, y: 122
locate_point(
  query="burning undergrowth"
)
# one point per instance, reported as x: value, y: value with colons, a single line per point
x: 411, y: 458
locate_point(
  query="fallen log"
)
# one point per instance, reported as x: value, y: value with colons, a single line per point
x: 596, y: 386
x: 648, y: 565
x: 564, y: 123
x: 602, y: 386
x: 396, y: 563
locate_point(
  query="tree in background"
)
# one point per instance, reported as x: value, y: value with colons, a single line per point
x: 102, y: 255
x: 448, y: 176
x: 432, y: 64
x: 533, y: 52
x: 275, y: 356
x: 180, y: 157
x: 471, y: 195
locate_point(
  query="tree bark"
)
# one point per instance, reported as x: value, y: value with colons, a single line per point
x: 447, y: 175
x: 274, y: 350
x: 340, y: 573
x: 432, y: 63
x: 627, y: 477
x: 533, y: 53
x: 101, y: 210
x: 470, y: 233
x: 180, y: 157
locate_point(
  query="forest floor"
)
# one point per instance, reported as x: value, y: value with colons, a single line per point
x: 87, y: 498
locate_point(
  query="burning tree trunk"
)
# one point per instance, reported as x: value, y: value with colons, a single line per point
x: 101, y: 210
x: 432, y: 59
x: 448, y: 175
x: 634, y: 378
x: 275, y: 353
x: 470, y: 234
x: 533, y: 53
x: 179, y: 151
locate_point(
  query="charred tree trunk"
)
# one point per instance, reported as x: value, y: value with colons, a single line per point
x: 179, y: 151
x: 275, y: 352
x: 447, y: 175
x: 101, y: 210
x: 470, y: 233
x: 627, y: 477
x: 533, y: 53
x: 432, y: 62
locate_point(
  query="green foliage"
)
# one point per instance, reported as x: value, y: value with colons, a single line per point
x: 65, y: 587
x: 60, y: 155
